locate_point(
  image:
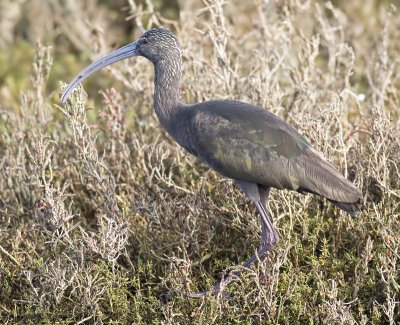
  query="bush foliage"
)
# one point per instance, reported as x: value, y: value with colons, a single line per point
x: 103, y: 217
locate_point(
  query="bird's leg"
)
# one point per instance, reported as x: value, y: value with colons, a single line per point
x: 269, y: 236
x: 265, y: 216
x: 219, y: 287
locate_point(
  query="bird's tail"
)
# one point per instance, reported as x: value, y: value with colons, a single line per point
x: 324, y: 180
x: 352, y: 208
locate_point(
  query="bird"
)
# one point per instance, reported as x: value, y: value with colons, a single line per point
x: 248, y: 144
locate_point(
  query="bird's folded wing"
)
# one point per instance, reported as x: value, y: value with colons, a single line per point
x: 247, y: 143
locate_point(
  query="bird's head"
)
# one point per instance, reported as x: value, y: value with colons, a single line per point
x: 156, y: 45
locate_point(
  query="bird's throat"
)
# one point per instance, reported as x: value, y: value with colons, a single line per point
x: 166, y: 92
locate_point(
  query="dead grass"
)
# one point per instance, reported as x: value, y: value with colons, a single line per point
x: 102, y: 216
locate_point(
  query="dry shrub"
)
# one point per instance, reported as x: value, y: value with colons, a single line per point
x: 102, y: 216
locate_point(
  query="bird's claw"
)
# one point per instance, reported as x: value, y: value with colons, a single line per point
x: 217, y: 290
x: 269, y: 238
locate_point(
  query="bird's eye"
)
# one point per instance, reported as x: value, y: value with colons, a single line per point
x: 143, y: 41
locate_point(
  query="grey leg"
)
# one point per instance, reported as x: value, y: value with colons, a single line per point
x: 259, y: 195
x: 269, y: 236
x: 264, y: 194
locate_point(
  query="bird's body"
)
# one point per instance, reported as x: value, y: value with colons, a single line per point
x: 249, y: 144
x: 241, y: 141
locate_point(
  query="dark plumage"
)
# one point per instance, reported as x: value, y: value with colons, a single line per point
x: 246, y: 143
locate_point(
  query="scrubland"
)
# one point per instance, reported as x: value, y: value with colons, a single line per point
x: 103, y: 217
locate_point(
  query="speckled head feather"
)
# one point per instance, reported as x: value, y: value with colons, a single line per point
x: 159, y: 44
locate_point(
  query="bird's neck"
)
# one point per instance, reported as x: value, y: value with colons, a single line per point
x: 166, y: 92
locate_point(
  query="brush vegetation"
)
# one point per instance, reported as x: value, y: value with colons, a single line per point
x: 103, y: 217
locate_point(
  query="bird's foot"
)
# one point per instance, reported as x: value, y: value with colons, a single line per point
x: 269, y: 238
x: 218, y: 289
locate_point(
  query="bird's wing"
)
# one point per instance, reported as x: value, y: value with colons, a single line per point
x: 247, y: 143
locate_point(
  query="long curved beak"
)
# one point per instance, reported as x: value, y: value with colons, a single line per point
x: 118, y: 55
